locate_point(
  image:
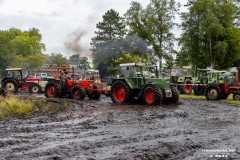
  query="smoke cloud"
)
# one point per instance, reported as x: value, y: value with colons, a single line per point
x: 76, y: 45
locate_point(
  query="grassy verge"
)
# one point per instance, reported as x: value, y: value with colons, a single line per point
x: 16, y: 106
x: 229, y: 100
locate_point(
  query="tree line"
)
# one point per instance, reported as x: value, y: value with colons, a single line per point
x: 25, y: 49
x: 210, y: 35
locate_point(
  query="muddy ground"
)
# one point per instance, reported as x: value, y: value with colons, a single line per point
x: 193, y: 129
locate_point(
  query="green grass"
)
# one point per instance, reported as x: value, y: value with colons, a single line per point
x: 229, y: 100
x: 16, y: 106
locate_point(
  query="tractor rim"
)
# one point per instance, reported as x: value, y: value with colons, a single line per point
x: 35, y: 89
x: 10, y: 86
x: 237, y: 97
x: 77, y: 93
x: 213, y: 93
x: 150, y: 96
x: 119, y: 93
x: 188, y: 87
x: 51, y: 90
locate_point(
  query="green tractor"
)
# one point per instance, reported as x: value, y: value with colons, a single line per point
x: 220, y: 85
x: 182, y: 78
x: 138, y: 81
x: 201, y: 81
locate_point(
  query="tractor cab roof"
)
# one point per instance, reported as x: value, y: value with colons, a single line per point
x: 205, y: 70
x: 136, y: 65
x: 15, y: 69
x: 216, y: 71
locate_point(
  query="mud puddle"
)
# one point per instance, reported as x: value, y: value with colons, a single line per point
x: 193, y: 129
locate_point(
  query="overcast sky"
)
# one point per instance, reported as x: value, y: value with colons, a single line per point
x: 59, y: 21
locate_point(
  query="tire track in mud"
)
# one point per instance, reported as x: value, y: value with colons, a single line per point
x: 102, y: 130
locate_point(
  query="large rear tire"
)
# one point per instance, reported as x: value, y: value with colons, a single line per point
x: 120, y: 92
x: 187, y: 86
x: 78, y: 93
x: 152, y: 95
x: 213, y: 92
x: 175, y: 95
x: 52, y: 89
x: 10, y: 85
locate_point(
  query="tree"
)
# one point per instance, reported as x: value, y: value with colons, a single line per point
x: 208, y: 28
x: 15, y: 42
x: 112, y: 27
x: 154, y: 25
x: 108, y: 53
x: 82, y: 62
x: 57, y: 59
x: 32, y: 62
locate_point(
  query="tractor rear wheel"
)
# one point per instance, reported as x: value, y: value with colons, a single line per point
x: 213, y: 92
x: 120, y: 92
x: 236, y: 96
x: 52, y: 89
x: 78, y: 93
x: 152, y: 95
x: 187, y: 86
x: 198, y: 90
x: 175, y: 95
x: 94, y: 94
x: 34, y: 88
x: 10, y: 85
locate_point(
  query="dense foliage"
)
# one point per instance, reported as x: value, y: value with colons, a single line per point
x: 16, y: 44
x: 211, y: 34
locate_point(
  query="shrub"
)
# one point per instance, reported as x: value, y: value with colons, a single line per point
x: 15, y: 106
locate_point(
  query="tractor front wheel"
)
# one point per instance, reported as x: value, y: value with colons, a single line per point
x: 236, y: 96
x: 152, y: 95
x: 120, y: 92
x: 78, y: 93
x: 10, y: 85
x: 198, y: 90
x: 34, y: 88
x: 52, y: 90
x: 213, y: 93
x: 94, y: 94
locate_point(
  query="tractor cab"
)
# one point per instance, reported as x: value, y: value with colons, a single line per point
x: 20, y: 74
x: 216, y: 76
x: 180, y: 74
x: 137, y: 70
x: 202, y: 76
x: 18, y: 78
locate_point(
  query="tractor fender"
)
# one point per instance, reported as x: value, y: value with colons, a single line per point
x: 4, y: 79
x: 120, y: 80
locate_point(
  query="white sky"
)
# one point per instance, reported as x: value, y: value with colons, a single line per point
x: 57, y: 20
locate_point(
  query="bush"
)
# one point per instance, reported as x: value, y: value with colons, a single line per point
x: 15, y: 106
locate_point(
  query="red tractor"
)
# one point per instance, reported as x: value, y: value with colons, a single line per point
x: 71, y: 87
x: 18, y: 78
x: 224, y: 85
